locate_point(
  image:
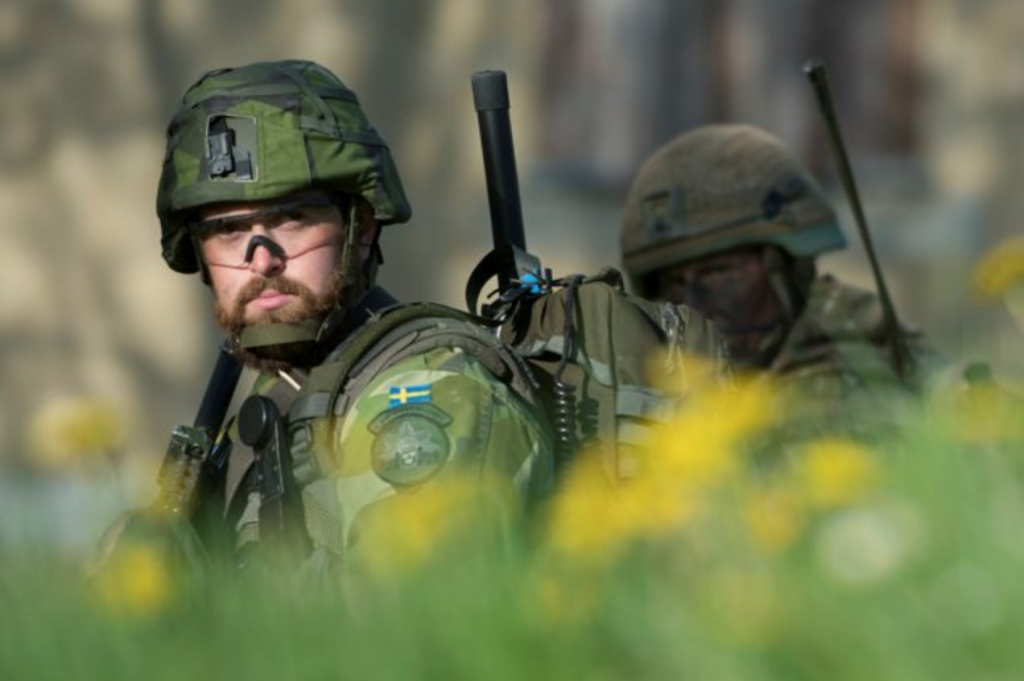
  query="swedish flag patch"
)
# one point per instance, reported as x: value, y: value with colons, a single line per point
x: 409, y: 394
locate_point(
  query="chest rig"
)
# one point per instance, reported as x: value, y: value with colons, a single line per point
x: 292, y: 503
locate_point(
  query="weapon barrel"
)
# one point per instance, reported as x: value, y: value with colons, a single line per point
x: 490, y: 97
x: 218, y: 393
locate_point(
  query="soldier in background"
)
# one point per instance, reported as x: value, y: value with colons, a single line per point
x: 725, y: 219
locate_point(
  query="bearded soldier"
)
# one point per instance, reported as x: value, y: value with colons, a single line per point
x: 274, y: 189
x: 725, y: 219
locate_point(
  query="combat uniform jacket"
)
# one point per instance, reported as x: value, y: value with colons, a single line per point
x: 834, y: 364
x: 402, y: 422
x: 837, y: 345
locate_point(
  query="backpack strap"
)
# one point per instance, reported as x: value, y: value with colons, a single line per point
x: 396, y: 334
x: 332, y: 387
x: 592, y: 345
x: 499, y: 263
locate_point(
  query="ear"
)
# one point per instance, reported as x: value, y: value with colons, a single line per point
x: 368, y: 229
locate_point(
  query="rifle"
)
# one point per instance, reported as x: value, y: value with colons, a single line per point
x: 261, y: 427
x: 901, y: 358
x: 195, y: 460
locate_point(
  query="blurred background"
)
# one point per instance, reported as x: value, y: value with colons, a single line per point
x: 104, y: 349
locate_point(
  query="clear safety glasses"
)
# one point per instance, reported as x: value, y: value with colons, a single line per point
x: 290, y: 229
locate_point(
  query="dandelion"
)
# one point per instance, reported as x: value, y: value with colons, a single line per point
x: 701, y: 445
x: 73, y: 431
x: 406, y: 530
x: 999, y: 270
x: 135, y: 581
x: 593, y: 522
x: 837, y: 472
x: 579, y: 522
x: 688, y: 459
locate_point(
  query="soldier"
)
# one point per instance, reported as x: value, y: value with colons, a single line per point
x: 274, y: 189
x: 725, y: 219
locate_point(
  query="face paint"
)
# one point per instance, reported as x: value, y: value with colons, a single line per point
x: 734, y: 291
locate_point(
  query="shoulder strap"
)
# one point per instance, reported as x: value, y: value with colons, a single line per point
x: 398, y: 333
x: 325, y: 378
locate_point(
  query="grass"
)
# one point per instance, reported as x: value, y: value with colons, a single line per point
x: 908, y: 568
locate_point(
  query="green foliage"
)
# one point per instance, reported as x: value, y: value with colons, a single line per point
x: 915, y: 577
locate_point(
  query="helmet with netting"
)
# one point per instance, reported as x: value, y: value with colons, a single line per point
x: 721, y: 187
x: 265, y: 131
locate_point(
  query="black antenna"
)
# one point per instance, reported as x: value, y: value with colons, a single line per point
x: 816, y: 73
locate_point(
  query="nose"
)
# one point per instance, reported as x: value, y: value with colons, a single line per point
x: 267, y: 260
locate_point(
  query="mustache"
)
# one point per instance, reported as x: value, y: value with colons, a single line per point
x: 279, y: 283
x: 231, y: 316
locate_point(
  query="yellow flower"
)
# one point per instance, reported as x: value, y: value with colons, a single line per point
x: 700, y: 446
x: 999, y: 270
x: 592, y: 521
x: 407, y: 529
x: 71, y: 431
x: 838, y: 472
x: 593, y: 518
x: 135, y: 581
x: 579, y: 519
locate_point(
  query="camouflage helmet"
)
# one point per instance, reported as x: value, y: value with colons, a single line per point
x: 720, y: 187
x: 264, y: 131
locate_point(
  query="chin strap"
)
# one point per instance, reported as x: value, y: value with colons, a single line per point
x: 790, y: 280
x: 779, y: 273
x: 263, y: 335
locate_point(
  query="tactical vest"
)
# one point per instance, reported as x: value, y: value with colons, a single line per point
x: 328, y: 393
x: 598, y: 390
x: 581, y: 355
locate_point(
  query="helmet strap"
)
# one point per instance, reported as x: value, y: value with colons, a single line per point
x: 777, y: 271
x: 204, y: 271
x: 790, y: 279
x: 357, y: 277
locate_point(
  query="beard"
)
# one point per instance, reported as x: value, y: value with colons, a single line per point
x: 273, y: 358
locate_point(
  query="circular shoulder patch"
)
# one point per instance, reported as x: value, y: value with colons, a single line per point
x: 411, y: 445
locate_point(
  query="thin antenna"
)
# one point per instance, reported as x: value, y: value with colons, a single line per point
x: 815, y: 70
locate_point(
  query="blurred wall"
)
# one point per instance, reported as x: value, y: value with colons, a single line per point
x: 931, y: 95
x: 87, y: 87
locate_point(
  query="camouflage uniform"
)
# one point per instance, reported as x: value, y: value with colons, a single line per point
x: 837, y: 345
x: 420, y: 406
x: 725, y: 187
x: 404, y: 421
